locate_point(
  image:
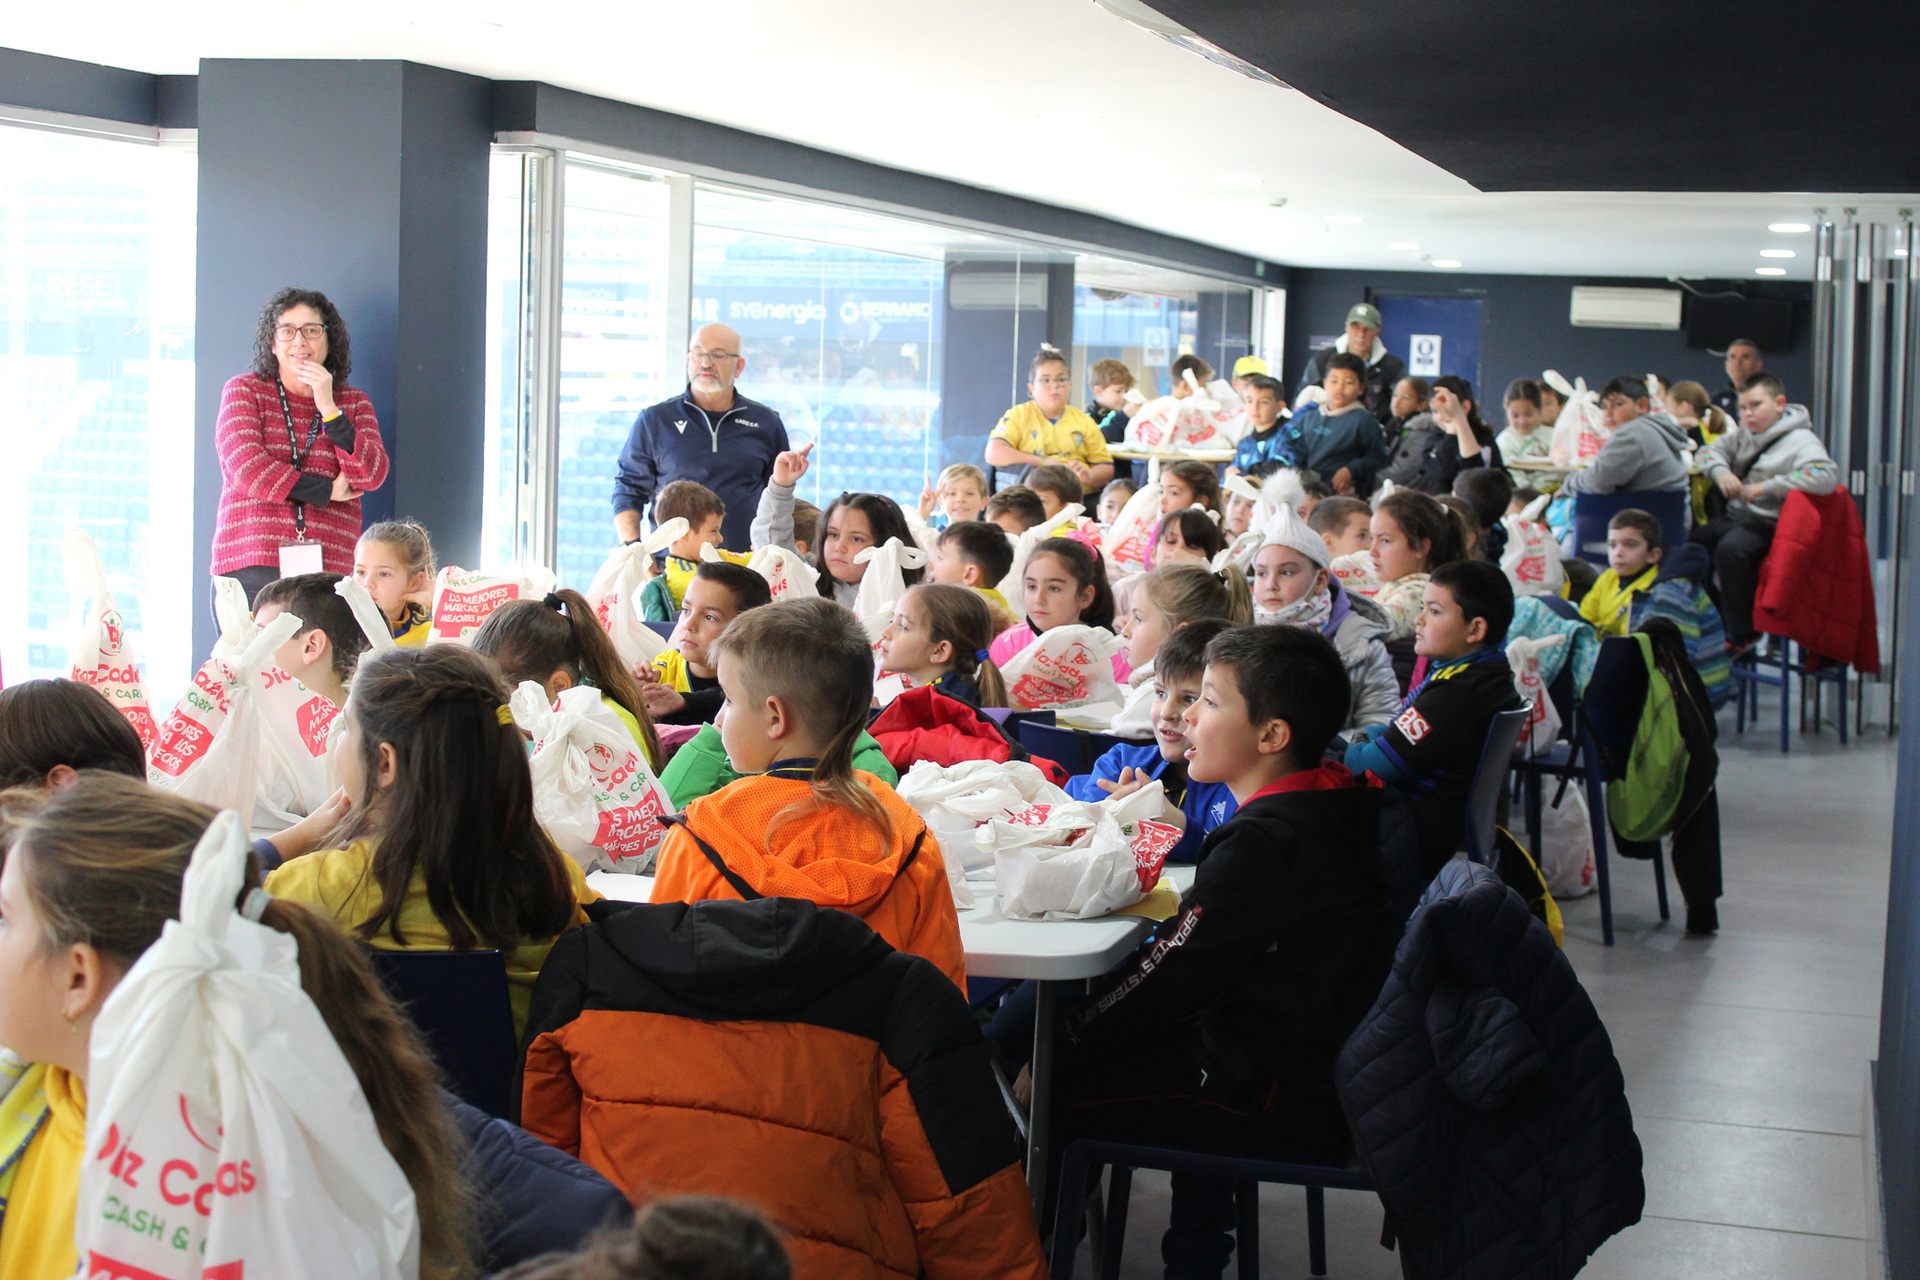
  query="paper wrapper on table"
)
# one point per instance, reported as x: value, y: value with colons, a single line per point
x: 210, y: 748
x: 615, y: 591
x: 101, y: 656
x: 1543, y: 726
x: 1356, y: 573
x: 1532, y: 558
x: 1066, y: 667
x: 463, y: 599
x: 1581, y: 430
x: 1076, y: 861
x: 787, y: 572
x: 1060, y: 524
x: 222, y: 1115
x: 1128, y: 545
x: 592, y: 790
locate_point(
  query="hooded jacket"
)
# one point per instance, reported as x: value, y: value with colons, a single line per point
x: 721, y: 847
x: 1679, y: 594
x: 1427, y: 456
x: 1383, y: 370
x: 1358, y: 629
x: 1816, y: 584
x: 700, y: 767
x: 1640, y: 455
x: 783, y: 1055
x: 1484, y: 1095
x: 1784, y: 457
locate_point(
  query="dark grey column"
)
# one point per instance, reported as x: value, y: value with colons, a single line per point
x: 998, y: 312
x: 367, y: 181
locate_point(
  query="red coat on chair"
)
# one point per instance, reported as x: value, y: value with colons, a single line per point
x: 1816, y: 584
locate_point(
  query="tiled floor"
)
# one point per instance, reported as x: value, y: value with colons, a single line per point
x: 1745, y: 1055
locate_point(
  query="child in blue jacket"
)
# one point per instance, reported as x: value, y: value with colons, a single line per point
x: 1128, y: 766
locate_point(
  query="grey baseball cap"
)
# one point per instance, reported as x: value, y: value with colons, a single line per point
x: 1365, y: 314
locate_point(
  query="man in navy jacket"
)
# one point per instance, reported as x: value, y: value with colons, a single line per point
x: 709, y: 434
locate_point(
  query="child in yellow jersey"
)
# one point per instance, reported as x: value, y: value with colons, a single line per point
x: 681, y: 686
x: 441, y: 851
x: 558, y: 643
x: 92, y: 876
x: 394, y: 562
x: 1049, y: 429
x: 703, y: 511
x: 1633, y: 566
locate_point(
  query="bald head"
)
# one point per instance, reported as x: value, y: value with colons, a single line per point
x: 713, y: 363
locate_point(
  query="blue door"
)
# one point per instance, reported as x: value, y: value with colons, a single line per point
x: 1434, y: 335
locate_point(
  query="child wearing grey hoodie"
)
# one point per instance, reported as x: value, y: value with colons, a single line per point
x: 1645, y: 451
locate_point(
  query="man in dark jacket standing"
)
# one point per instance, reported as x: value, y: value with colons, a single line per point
x: 710, y: 434
x: 1362, y: 339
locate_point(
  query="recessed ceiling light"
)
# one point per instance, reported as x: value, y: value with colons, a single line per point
x: 1776, y: 253
x: 1788, y: 228
x: 1242, y: 180
x: 1404, y: 246
x: 1769, y: 271
x: 1448, y: 263
x: 1344, y: 219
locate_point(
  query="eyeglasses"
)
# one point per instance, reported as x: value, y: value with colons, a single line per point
x: 1062, y: 381
x: 288, y: 332
x: 698, y: 357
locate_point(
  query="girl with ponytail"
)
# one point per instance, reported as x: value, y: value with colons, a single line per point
x: 939, y: 636
x: 803, y: 821
x: 558, y: 643
x: 93, y: 873
x: 439, y: 850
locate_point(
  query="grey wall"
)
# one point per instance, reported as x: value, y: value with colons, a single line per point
x: 1525, y: 330
x: 384, y: 210
x: 985, y: 353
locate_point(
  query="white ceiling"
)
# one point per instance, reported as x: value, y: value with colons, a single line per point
x: 1055, y: 100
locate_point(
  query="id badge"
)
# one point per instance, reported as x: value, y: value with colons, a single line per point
x: 297, y: 558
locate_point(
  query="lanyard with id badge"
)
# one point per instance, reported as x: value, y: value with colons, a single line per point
x: 302, y: 555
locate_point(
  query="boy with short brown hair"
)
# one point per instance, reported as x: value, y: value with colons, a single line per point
x: 703, y: 511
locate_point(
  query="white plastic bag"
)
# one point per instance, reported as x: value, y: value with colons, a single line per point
x: 100, y: 655
x: 1356, y: 573
x: 615, y: 594
x: 787, y: 572
x: 1152, y: 425
x: 222, y: 1115
x: 463, y: 599
x: 1128, y: 545
x: 365, y: 612
x: 209, y: 749
x: 1566, y: 844
x: 1581, y: 430
x: 1543, y: 726
x: 884, y: 582
x: 592, y: 789
x: 1532, y: 558
x: 1057, y: 525
x: 955, y: 799
x: 1075, y: 861
x: 1065, y: 667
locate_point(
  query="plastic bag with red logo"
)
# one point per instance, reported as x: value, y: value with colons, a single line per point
x: 227, y: 1137
x: 1581, y: 430
x: 787, y: 572
x: 1356, y: 573
x: 100, y: 655
x: 1128, y: 545
x: 1075, y: 861
x: 210, y: 748
x: 463, y: 599
x: 592, y: 789
x: 1064, y: 523
x: 1543, y: 725
x: 615, y: 594
x: 1066, y: 667
x: 1532, y: 558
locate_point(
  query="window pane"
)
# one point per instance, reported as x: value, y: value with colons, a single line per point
x: 96, y: 371
x: 500, y: 514
x: 614, y: 356
x: 839, y: 317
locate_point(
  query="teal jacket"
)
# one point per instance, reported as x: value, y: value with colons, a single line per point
x: 700, y: 766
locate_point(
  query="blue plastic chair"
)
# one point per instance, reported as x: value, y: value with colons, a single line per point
x: 663, y: 629
x: 1673, y: 508
x: 1776, y: 670
x: 1074, y: 750
x: 458, y: 1000
x: 1085, y: 1157
x: 1489, y: 777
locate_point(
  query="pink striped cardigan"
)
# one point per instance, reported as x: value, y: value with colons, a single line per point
x: 257, y: 475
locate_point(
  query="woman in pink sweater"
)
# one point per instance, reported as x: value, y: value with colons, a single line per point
x: 297, y: 447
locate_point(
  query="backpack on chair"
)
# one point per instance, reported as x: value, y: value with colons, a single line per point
x: 1645, y: 804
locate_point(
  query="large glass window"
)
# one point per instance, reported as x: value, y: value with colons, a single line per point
x: 1146, y: 316
x: 839, y: 316
x: 96, y: 372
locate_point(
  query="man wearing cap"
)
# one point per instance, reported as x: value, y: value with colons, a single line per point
x: 1362, y: 339
x: 1743, y: 361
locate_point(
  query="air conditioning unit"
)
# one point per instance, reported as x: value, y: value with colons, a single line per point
x: 1597, y: 307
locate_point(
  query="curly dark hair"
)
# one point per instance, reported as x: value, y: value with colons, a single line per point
x: 339, y: 361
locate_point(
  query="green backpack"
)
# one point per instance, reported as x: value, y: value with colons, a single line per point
x: 1642, y: 805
